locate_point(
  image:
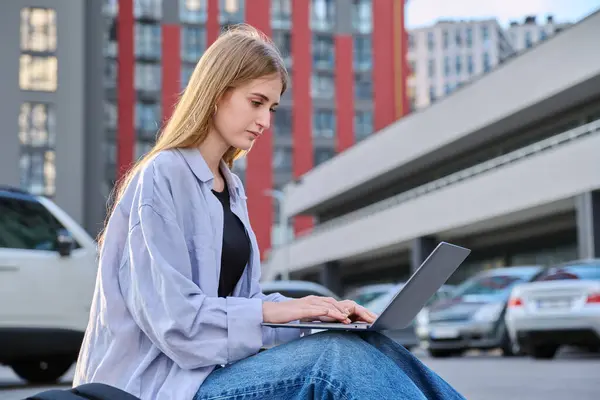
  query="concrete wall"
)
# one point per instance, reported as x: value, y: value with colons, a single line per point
x: 538, y: 185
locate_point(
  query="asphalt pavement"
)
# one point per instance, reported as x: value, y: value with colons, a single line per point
x: 484, y: 376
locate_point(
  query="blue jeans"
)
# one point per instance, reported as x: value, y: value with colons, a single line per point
x: 329, y: 365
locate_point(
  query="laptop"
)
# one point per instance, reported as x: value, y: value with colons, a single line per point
x: 411, y: 297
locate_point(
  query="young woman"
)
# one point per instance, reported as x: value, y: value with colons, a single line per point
x: 177, y: 309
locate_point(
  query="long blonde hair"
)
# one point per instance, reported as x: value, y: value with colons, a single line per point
x: 239, y: 55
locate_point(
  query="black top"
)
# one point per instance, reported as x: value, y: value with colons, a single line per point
x: 236, y: 247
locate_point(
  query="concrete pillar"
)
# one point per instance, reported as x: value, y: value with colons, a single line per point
x: 421, y: 248
x: 331, y: 277
x: 588, y: 224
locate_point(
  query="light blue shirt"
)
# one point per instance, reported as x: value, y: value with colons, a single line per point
x: 157, y: 327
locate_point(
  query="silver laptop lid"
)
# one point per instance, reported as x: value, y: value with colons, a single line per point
x: 427, y: 279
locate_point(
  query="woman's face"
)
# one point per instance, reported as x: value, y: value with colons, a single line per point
x: 244, y: 113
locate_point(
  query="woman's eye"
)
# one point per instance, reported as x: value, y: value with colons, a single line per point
x: 256, y: 103
x: 273, y: 110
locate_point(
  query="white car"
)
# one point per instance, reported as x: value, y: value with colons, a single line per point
x: 47, y: 276
x: 560, y: 307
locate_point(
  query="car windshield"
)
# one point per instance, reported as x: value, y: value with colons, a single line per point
x: 490, y: 285
x: 368, y: 297
x: 378, y: 304
x: 588, y: 272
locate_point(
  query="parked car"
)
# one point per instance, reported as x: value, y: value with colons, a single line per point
x: 560, y: 307
x: 407, y: 337
x: 473, y: 317
x: 47, y: 276
x: 297, y: 289
x: 365, y: 294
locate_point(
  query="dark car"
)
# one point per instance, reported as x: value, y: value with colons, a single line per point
x: 473, y: 318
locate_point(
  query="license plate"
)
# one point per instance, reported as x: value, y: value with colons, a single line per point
x: 444, y: 333
x: 553, y: 304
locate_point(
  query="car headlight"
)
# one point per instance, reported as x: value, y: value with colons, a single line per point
x: 422, y: 318
x: 489, y: 312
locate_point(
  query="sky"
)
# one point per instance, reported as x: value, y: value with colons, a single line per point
x: 427, y: 12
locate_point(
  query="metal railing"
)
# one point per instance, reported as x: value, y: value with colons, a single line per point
x: 468, y: 173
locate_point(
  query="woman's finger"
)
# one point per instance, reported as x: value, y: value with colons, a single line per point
x: 364, y: 314
x: 336, y: 304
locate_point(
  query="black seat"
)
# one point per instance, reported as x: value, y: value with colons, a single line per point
x: 88, y: 391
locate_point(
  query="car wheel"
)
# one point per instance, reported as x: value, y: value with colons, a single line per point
x: 46, y: 370
x: 508, y: 349
x: 544, y: 352
x: 436, y: 353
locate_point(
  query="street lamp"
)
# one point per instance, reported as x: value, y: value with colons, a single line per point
x: 279, y: 196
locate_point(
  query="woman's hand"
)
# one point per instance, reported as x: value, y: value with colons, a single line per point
x: 312, y: 308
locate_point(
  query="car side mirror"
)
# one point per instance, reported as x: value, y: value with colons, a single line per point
x: 65, y: 243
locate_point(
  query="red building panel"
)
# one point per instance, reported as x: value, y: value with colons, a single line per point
x: 302, y: 111
x: 125, y: 88
x: 259, y: 169
x: 212, y: 21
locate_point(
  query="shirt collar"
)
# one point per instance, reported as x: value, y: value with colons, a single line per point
x: 196, y: 162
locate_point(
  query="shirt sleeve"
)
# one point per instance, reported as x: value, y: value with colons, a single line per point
x: 193, y: 329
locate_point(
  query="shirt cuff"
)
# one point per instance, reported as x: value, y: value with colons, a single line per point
x: 244, y: 330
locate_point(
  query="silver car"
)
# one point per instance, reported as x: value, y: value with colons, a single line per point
x: 560, y: 307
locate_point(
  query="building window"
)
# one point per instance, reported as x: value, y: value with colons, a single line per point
x: 147, y: 41
x: 323, y: 124
x: 362, y: 15
x: 38, y: 30
x: 528, y: 40
x: 283, y: 122
x: 431, y: 68
x: 38, y: 66
x: 458, y: 38
x: 322, y: 155
x: 323, y: 51
x: 485, y: 33
x: 430, y: 41
x: 486, y: 62
x: 192, y: 11
x: 142, y: 147
x: 283, y: 41
x: 147, y: 117
x: 432, y: 95
x: 186, y: 73
x: 411, y: 41
x: 282, y: 159
x: 447, y: 70
x: 147, y: 76
x: 110, y: 114
x: 193, y: 43
x: 37, y: 136
x: 322, y: 86
x: 231, y: 12
x: 470, y: 66
x: 469, y: 37
x: 458, y: 65
x: 38, y: 73
x: 363, y: 124
x: 147, y: 9
x: 281, y: 14
x: 363, y: 87
x: 363, y: 59
x: 322, y: 15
